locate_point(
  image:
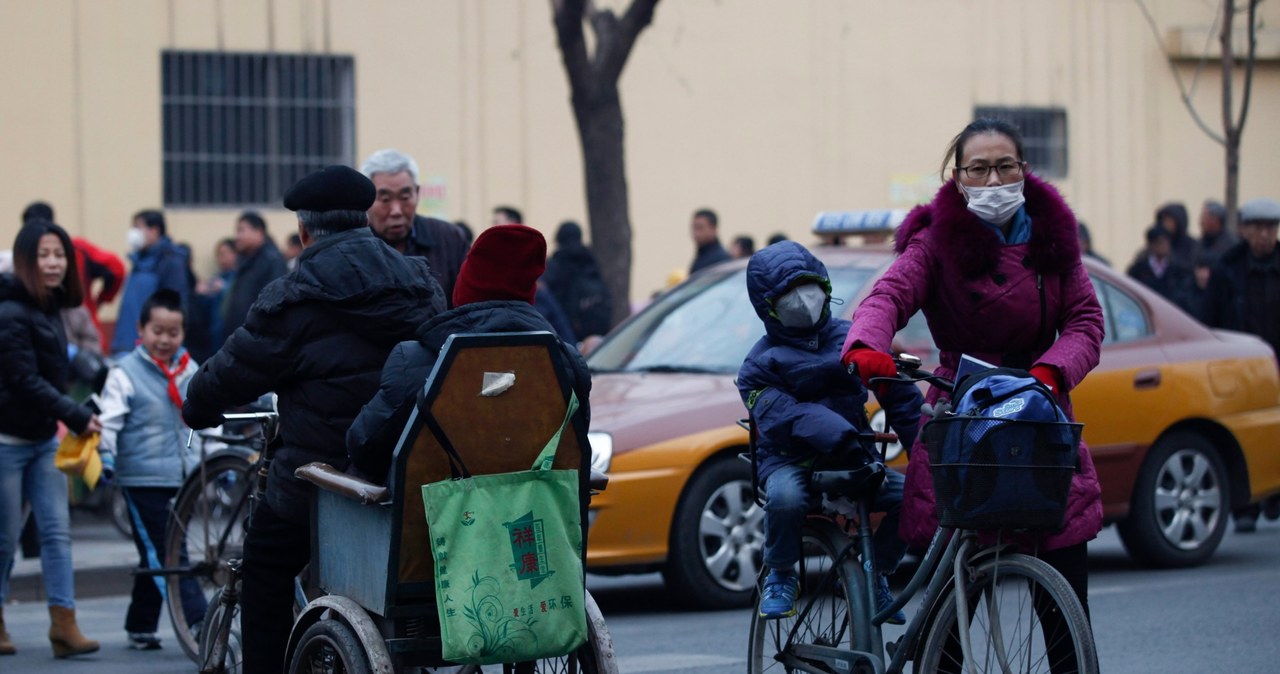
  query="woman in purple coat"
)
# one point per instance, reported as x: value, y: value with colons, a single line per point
x: 994, y: 263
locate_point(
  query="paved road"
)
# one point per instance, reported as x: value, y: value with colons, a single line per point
x: 1220, y: 617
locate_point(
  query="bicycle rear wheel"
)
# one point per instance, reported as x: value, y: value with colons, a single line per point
x: 1025, y: 618
x: 824, y: 614
x: 206, y: 529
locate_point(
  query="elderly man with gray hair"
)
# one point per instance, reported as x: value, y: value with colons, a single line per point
x: 395, y: 220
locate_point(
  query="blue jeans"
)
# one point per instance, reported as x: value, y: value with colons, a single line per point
x: 788, y: 498
x: 27, y: 473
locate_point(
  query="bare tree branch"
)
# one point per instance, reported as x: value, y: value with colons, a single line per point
x: 605, y: 25
x: 1250, y: 59
x: 573, y: 46
x: 1177, y: 76
x: 1228, y: 67
x: 638, y: 16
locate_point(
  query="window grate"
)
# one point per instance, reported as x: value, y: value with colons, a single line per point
x: 239, y: 129
x: 1044, y: 135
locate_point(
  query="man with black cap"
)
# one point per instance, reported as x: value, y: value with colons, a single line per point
x: 318, y: 337
x: 494, y: 293
x: 1244, y: 295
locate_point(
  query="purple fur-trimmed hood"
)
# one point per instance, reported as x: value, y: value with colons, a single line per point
x: 1054, y: 245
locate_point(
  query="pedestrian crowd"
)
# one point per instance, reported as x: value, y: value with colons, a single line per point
x: 1224, y: 279
x: 347, y: 319
x: 314, y: 322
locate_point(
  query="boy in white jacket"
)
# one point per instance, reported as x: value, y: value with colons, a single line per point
x: 144, y: 449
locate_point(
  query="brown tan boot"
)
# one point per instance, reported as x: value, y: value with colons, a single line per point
x: 6, y: 645
x: 65, y: 635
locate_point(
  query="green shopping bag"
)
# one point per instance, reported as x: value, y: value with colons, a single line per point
x: 508, y: 559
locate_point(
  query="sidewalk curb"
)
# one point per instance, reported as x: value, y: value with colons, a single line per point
x: 90, y: 583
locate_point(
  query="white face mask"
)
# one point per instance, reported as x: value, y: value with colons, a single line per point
x: 801, y: 307
x: 136, y: 239
x: 995, y: 204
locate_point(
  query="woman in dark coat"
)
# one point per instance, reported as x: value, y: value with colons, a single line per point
x: 994, y: 263
x: 33, y: 399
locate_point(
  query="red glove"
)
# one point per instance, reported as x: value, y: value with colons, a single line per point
x: 1048, y: 375
x: 868, y: 363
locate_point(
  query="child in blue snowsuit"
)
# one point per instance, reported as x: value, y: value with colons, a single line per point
x: 806, y: 404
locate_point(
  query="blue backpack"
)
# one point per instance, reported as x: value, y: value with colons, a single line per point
x: 1004, y: 456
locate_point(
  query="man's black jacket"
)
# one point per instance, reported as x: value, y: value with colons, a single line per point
x: 318, y: 337
x: 444, y: 245
x: 1227, y: 303
x: 253, y: 274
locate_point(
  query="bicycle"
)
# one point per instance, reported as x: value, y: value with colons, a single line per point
x: 984, y: 607
x: 208, y: 520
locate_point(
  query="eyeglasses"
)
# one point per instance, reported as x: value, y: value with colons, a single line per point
x: 1004, y: 169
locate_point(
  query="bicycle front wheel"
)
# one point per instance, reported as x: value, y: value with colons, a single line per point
x: 206, y: 529
x: 1024, y: 618
x: 824, y: 614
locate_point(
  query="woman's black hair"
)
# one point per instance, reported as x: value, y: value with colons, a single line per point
x: 976, y: 127
x: 26, y: 255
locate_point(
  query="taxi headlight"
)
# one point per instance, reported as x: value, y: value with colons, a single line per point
x: 601, y: 450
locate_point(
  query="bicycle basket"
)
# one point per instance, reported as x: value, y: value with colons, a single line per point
x: 993, y: 473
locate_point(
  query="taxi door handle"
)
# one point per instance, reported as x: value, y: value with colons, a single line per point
x: 1146, y: 379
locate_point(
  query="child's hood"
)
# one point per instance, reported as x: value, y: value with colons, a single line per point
x: 776, y: 269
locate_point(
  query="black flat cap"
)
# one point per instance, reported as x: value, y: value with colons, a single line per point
x: 333, y: 188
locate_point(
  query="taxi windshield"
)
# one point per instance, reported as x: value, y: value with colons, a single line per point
x: 706, y: 325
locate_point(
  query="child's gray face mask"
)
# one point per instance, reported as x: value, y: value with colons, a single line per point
x: 801, y: 307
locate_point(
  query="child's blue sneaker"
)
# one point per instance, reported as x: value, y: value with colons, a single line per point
x: 884, y: 598
x: 778, y: 598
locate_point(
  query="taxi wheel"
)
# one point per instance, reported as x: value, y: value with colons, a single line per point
x: 717, y: 537
x: 1180, y: 505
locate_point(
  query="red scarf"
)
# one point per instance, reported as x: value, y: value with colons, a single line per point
x: 174, y: 395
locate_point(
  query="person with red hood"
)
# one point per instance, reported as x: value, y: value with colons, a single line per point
x: 494, y: 293
x: 994, y: 263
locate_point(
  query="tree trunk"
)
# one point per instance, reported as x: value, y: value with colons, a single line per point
x: 1233, y: 129
x: 608, y: 203
x: 1231, y: 135
x: 593, y: 83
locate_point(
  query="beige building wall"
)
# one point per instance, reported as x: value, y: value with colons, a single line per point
x: 765, y: 111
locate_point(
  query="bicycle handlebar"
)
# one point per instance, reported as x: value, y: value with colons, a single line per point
x: 909, y: 372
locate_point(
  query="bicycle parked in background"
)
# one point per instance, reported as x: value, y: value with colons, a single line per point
x: 986, y: 607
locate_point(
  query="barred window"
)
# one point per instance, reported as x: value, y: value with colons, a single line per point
x: 1044, y: 135
x: 239, y: 129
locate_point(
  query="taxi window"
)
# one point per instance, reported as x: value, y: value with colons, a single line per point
x: 706, y: 324
x: 1122, y: 314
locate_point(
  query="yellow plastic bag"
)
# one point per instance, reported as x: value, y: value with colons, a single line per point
x: 78, y: 455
